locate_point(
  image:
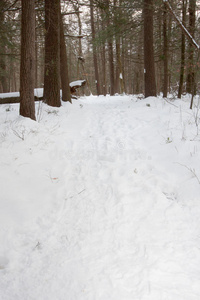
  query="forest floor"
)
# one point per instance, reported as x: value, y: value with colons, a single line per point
x: 100, y: 200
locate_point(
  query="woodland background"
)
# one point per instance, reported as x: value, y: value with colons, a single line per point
x: 105, y: 45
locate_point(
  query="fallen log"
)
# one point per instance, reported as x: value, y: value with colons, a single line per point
x: 10, y: 100
x: 74, y: 86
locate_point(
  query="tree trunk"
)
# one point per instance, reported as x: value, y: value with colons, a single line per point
x: 66, y: 94
x: 180, y: 89
x: 27, y: 66
x: 111, y: 67
x: 3, y: 77
x: 3, y: 71
x: 149, y: 68
x: 52, y: 53
x: 103, y: 57
x: 76, y: 7
x: 123, y: 60
x: 117, y: 69
x: 190, y: 75
x: 117, y: 47
x: 97, y: 79
x: 165, y: 52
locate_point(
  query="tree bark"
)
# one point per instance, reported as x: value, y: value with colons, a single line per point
x: 111, y: 67
x: 3, y: 71
x: 110, y: 52
x: 165, y: 52
x: 103, y: 57
x: 27, y: 66
x: 190, y: 75
x: 52, y: 53
x: 180, y: 89
x: 97, y: 79
x: 76, y: 7
x: 117, y: 47
x: 149, y: 67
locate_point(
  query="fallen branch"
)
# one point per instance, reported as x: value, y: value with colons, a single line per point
x: 9, y: 100
x: 193, y: 171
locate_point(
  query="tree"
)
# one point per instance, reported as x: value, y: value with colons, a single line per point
x: 76, y: 7
x: 180, y: 89
x: 97, y: 80
x: 192, y: 42
x: 27, y: 67
x: 119, y: 82
x: 110, y: 51
x: 111, y: 67
x: 52, y: 53
x: 10, y: 27
x: 165, y: 51
x: 3, y: 79
x: 190, y: 75
x: 117, y: 41
x: 149, y: 68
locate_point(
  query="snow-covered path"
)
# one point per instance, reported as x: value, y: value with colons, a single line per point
x: 99, y: 202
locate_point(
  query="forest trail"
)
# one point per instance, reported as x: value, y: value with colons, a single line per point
x: 117, y: 226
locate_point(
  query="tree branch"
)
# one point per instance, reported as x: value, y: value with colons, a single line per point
x: 9, y: 8
x: 71, y: 13
x: 180, y: 24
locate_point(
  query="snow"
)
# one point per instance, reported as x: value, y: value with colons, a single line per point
x: 76, y: 83
x: 100, y: 200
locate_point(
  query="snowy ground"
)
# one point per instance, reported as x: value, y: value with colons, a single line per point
x: 100, y: 200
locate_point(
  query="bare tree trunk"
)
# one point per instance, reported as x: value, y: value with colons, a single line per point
x: 27, y: 67
x: 117, y: 47
x: 117, y: 69
x: 3, y: 71
x: 180, y: 89
x: 111, y: 67
x: 149, y: 67
x: 36, y: 60
x: 97, y: 79
x: 165, y: 52
x: 119, y: 63
x: 123, y: 60
x: 3, y: 78
x: 103, y: 55
x: 66, y: 94
x: 76, y: 7
x: 52, y: 53
x: 159, y: 65
x: 190, y: 75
